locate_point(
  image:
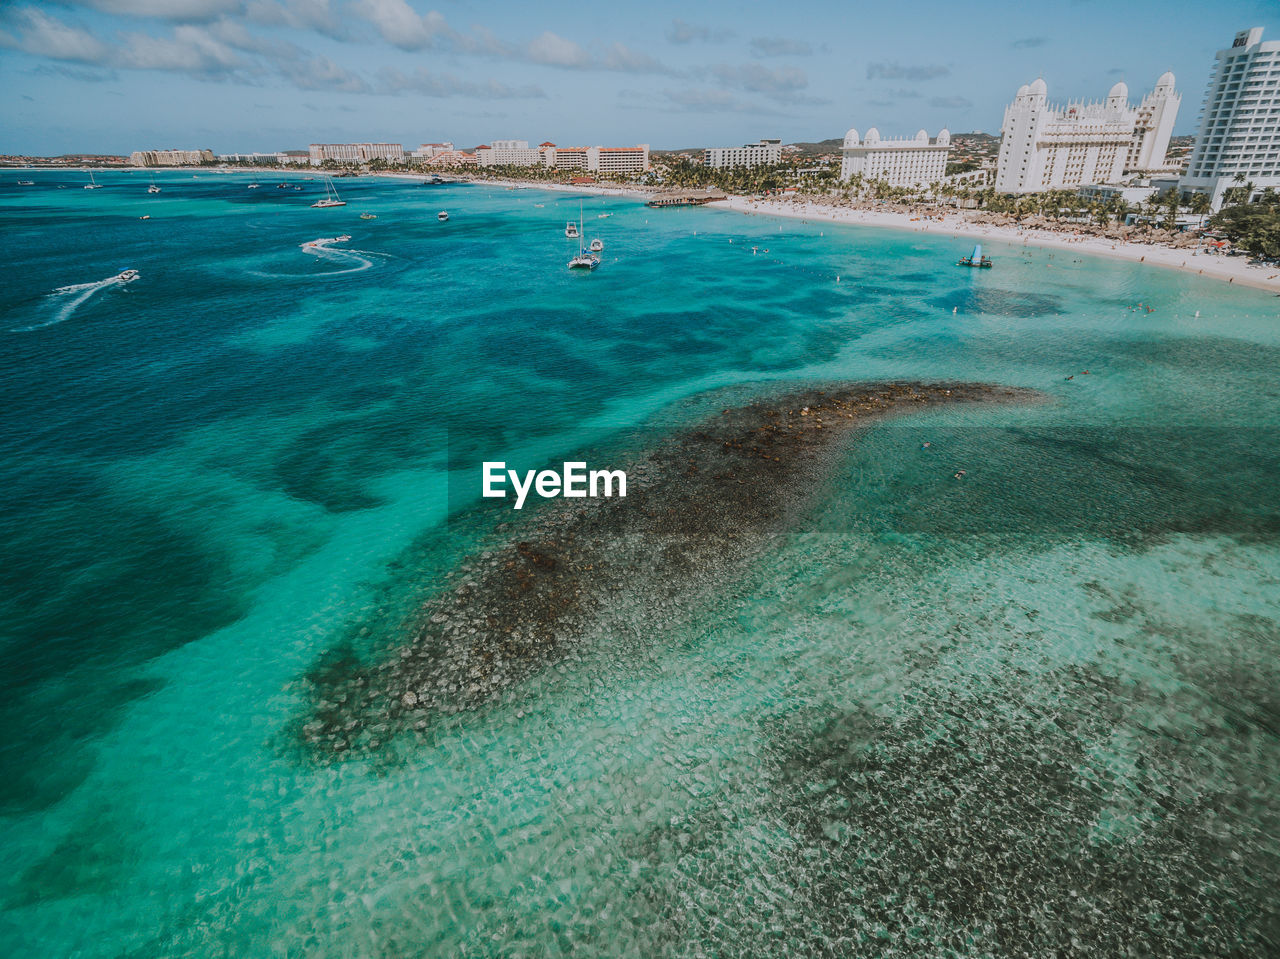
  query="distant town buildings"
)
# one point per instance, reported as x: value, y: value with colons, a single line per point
x: 899, y: 161
x: 282, y: 157
x: 451, y: 159
x: 427, y: 150
x: 1239, y: 134
x: 760, y: 153
x: 1046, y: 147
x: 170, y: 157
x: 356, y: 152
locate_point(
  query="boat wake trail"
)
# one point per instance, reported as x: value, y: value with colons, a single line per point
x: 350, y: 261
x: 65, y: 300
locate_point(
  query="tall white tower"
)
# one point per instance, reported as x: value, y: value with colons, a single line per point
x: 1156, y: 116
x: 1239, y: 132
x: 1046, y: 147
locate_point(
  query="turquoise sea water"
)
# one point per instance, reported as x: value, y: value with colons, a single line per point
x: 940, y: 717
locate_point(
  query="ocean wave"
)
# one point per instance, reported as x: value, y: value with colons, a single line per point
x: 66, y: 300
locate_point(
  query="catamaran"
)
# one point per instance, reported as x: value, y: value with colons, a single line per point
x: 331, y: 197
x: 92, y: 184
x: 584, y: 260
x: 975, y: 259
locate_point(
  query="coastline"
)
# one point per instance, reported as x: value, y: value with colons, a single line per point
x: 1236, y: 270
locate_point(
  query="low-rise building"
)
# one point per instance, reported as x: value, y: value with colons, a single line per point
x: 452, y: 158
x: 899, y: 161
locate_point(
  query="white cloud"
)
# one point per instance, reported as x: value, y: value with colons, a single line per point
x: 447, y: 85
x: 181, y: 10
x: 400, y: 25
x: 45, y: 36
x: 321, y: 73
x: 190, y: 49
x: 553, y: 50
x: 758, y: 79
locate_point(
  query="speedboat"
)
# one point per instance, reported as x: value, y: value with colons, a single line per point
x: 571, y: 230
x: 126, y: 276
x: 442, y: 216
x: 153, y: 189
x: 596, y: 245
x: 26, y: 183
x: 282, y: 186
x: 253, y: 186
x: 368, y: 216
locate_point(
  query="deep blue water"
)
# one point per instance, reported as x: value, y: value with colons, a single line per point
x: 241, y: 461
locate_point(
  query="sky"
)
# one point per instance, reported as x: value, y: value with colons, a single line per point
x: 112, y: 76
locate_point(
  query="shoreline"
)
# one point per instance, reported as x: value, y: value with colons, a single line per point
x: 1236, y: 270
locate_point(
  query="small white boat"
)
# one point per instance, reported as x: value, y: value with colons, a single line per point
x: 442, y: 216
x: 253, y: 186
x: 92, y: 184
x: 596, y: 245
x: 126, y: 276
x: 331, y: 197
x: 153, y: 188
x: 368, y: 216
x: 571, y: 230
x: 26, y: 183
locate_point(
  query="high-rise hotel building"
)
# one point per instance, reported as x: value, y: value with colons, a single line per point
x: 899, y: 161
x: 1046, y: 147
x: 1239, y: 138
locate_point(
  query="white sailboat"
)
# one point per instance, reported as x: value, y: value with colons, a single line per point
x: 92, y: 184
x: 153, y: 188
x: 584, y: 260
x: 331, y: 197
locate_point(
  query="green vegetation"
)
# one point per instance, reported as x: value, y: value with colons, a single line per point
x: 1252, y: 227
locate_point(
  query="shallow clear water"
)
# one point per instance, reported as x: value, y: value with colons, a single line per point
x: 939, y: 714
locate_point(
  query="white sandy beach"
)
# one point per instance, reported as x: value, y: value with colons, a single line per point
x: 1232, y: 269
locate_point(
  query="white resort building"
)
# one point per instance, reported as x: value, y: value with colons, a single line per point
x: 356, y: 152
x: 597, y: 159
x: 509, y: 153
x: 1239, y: 132
x: 760, y: 153
x: 170, y: 157
x: 900, y: 161
x: 1047, y: 147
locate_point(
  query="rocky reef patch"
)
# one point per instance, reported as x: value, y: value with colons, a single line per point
x: 611, y: 575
